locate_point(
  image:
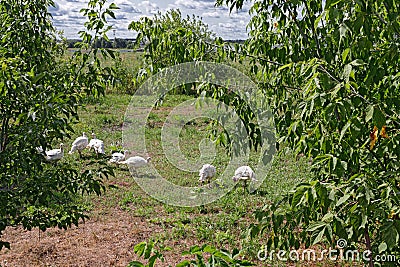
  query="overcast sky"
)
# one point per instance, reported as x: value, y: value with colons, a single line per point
x: 66, y: 16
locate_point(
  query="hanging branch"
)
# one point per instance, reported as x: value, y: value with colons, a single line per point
x: 313, y: 30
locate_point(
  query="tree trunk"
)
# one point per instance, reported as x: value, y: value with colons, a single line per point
x: 368, y: 243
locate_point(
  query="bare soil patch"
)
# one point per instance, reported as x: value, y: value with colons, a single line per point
x: 108, y: 241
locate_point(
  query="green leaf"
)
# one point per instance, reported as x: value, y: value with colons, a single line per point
x: 113, y: 6
x: 314, y: 226
x: 316, y: 22
x: 152, y: 260
x: 344, y: 54
x: 382, y: 247
x: 298, y: 195
x: 357, y: 62
x: 346, y: 72
x: 342, y: 133
x: 378, y: 118
x: 149, y: 249
x: 342, y: 199
x: 364, y: 220
x: 209, y: 249
x: 135, y: 264
x: 391, y: 235
x: 336, y: 89
x: 183, y: 263
x: 235, y: 252
x: 319, y: 237
x: 369, y: 113
x: 342, y: 31
x: 139, y: 248
x: 289, y: 65
x: 194, y: 249
x: 223, y: 255
x: 334, y: 162
x: 333, y: 3
x: 328, y: 217
x: 376, y: 115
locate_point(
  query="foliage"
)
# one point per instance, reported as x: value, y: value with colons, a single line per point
x: 39, y: 97
x: 215, y: 258
x: 331, y: 72
x: 148, y: 252
x: 168, y: 39
x: 125, y: 67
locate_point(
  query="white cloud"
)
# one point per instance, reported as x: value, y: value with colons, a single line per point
x: 66, y: 15
x: 214, y: 14
x: 238, y: 16
x: 227, y: 25
x: 126, y: 6
x: 193, y: 4
x: 150, y: 8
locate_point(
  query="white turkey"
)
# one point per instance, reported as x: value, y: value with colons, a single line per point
x: 118, y: 156
x: 99, y: 147
x: 244, y: 174
x: 96, y: 144
x: 135, y: 162
x: 79, y: 144
x: 206, y: 173
x: 55, y: 154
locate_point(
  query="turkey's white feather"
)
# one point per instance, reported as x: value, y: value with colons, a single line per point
x: 55, y: 154
x: 135, y: 161
x: 79, y: 144
x: 96, y: 144
x: 118, y: 156
x: 207, y: 172
x: 244, y: 173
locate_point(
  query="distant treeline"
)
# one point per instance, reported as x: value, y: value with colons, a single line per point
x: 102, y: 43
x: 120, y: 43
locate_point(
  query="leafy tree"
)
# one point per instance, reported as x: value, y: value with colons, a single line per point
x: 40, y: 93
x: 331, y: 72
x: 168, y: 39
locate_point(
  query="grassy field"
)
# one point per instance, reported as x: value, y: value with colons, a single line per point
x: 222, y: 223
x: 225, y: 219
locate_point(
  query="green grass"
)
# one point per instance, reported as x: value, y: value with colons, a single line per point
x: 222, y: 223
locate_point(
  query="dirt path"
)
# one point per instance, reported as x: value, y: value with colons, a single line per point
x: 108, y: 242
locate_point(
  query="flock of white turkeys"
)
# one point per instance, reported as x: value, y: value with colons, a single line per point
x: 97, y: 145
x: 243, y: 173
x: 208, y: 171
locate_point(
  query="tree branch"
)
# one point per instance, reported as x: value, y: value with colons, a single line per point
x: 313, y: 30
x: 305, y: 37
x: 377, y: 159
x: 368, y: 244
x: 3, y: 136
